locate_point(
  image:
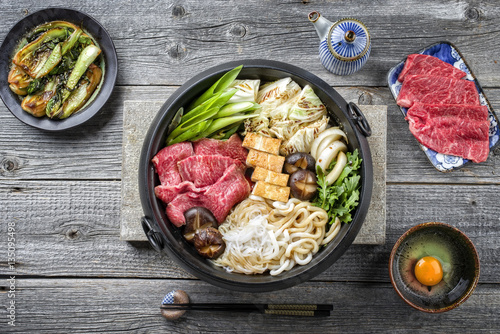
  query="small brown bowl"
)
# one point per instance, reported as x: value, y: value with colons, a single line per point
x: 459, y: 260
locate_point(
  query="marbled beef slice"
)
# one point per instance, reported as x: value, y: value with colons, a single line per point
x: 461, y: 130
x: 418, y: 64
x: 437, y: 90
x: 165, y: 162
x: 230, y: 148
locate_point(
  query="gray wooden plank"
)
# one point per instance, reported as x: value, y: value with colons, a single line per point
x: 94, y: 151
x: 166, y: 42
x: 71, y: 228
x: 132, y: 306
x: 89, y: 151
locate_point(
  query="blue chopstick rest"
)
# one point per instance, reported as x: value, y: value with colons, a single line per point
x: 169, y: 298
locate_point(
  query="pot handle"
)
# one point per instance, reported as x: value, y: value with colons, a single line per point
x: 154, y: 237
x: 359, y: 119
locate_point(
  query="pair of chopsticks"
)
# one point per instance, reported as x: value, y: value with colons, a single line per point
x: 308, y: 310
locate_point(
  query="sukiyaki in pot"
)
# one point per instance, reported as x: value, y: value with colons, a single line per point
x: 239, y: 169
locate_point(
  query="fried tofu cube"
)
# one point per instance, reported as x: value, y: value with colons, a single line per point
x: 268, y: 176
x: 262, y: 143
x: 271, y: 191
x: 265, y: 160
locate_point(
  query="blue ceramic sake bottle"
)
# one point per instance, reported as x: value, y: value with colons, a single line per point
x: 345, y: 45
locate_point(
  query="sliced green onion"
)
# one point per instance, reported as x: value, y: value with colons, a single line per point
x: 191, y: 132
x: 220, y: 85
x: 220, y: 123
x: 185, y: 126
x: 235, y: 108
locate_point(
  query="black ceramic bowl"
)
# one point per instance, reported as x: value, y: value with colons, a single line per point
x: 166, y: 237
x: 457, y: 255
x: 91, y: 26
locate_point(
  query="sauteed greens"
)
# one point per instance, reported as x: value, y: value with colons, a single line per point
x: 55, y: 70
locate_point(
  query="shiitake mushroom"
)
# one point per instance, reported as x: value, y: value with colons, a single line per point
x: 209, y: 243
x: 303, y: 184
x: 299, y: 160
x: 197, y: 218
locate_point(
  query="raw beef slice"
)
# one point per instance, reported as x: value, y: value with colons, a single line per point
x: 460, y: 130
x: 437, y: 90
x: 168, y: 193
x: 229, y: 148
x: 165, y: 162
x: 205, y: 170
x: 219, y: 198
x: 418, y: 64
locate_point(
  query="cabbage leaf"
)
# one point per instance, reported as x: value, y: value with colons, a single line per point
x: 247, y: 90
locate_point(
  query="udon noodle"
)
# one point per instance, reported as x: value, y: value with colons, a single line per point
x: 262, y: 235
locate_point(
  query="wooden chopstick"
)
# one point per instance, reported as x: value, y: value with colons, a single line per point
x: 306, y: 313
x: 310, y: 310
x: 303, y: 307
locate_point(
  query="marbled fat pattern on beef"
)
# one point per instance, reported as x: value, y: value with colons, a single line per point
x: 418, y: 64
x: 204, y: 170
x: 219, y: 198
x: 208, y: 173
x: 230, y: 148
x: 168, y: 193
x: 462, y: 111
x: 165, y: 162
x: 437, y: 90
x: 460, y: 130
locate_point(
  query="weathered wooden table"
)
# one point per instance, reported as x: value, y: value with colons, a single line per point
x: 61, y: 192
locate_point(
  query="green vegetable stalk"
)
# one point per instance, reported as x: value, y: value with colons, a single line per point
x: 342, y: 197
x: 182, y: 128
x: 54, y: 59
x: 206, y: 110
x: 32, y: 57
x: 65, y: 103
x: 192, y: 132
x: 216, y: 101
x: 220, y: 123
x: 226, y: 132
x: 212, y: 115
x: 35, y: 104
x: 51, y: 25
x: 236, y: 108
x: 87, y: 56
x: 220, y: 85
x: 232, y: 131
x: 71, y: 41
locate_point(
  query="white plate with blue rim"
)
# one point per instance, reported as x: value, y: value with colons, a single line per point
x: 448, y: 53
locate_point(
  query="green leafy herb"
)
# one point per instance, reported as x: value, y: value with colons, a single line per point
x: 340, y: 198
x: 35, y: 85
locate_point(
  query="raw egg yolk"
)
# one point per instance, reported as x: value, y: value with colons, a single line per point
x: 428, y: 271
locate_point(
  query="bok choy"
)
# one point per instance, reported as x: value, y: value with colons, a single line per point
x: 57, y: 69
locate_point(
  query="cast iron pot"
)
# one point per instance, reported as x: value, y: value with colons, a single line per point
x: 164, y: 236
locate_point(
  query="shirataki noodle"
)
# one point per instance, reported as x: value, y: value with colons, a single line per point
x: 262, y: 235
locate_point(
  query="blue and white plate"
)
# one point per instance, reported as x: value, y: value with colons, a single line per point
x: 449, y: 53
